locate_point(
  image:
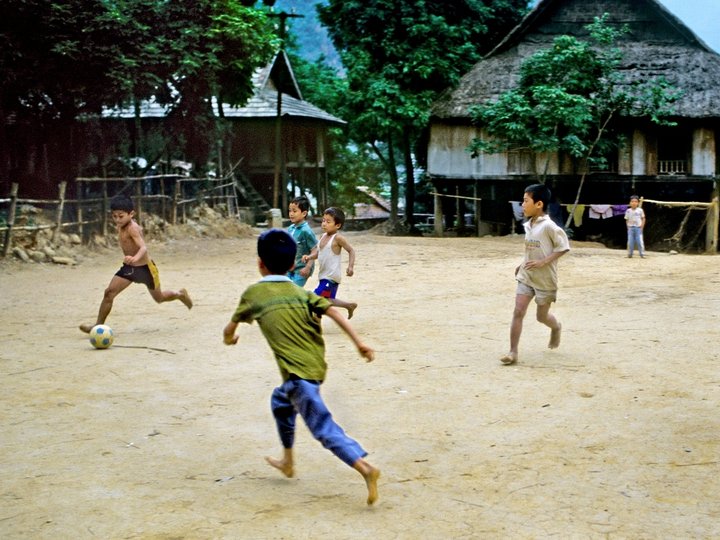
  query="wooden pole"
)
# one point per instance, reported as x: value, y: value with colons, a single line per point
x: 105, y: 209
x: 176, y: 198
x: 438, y: 215
x: 59, y: 215
x: 477, y: 207
x: 11, y: 217
x: 713, y: 221
x: 79, y: 188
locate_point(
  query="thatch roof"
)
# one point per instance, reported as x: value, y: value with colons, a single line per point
x: 658, y: 44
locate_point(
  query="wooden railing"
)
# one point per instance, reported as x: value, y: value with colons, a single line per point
x: 672, y: 166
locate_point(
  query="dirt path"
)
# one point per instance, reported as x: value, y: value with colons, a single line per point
x: 613, y: 435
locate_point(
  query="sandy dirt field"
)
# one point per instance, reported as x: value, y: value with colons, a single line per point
x: 613, y: 435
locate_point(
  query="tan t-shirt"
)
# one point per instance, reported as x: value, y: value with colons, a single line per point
x: 542, y: 238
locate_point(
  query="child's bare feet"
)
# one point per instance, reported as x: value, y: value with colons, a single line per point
x: 282, y: 465
x: 371, y: 478
x: 371, y: 475
x: 509, y: 358
x: 555, y: 337
x: 351, y: 309
x: 185, y: 298
x: 86, y: 328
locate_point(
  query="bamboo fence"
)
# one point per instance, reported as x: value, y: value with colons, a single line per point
x: 89, y: 212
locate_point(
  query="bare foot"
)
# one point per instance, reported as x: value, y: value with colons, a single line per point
x: 86, y: 328
x: 509, y: 358
x: 351, y: 309
x: 555, y: 337
x: 281, y: 465
x: 185, y: 298
x: 371, y: 478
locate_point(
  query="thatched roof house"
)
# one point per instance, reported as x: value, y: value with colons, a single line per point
x: 669, y: 162
x: 657, y: 45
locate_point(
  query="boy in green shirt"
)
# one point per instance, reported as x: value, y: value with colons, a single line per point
x: 289, y: 318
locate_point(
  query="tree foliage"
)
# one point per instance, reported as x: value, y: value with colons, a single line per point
x: 64, y: 61
x: 568, y: 99
x: 399, y: 55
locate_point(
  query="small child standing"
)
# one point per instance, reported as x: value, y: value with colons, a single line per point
x: 545, y: 243
x: 328, y: 253
x: 137, y: 266
x: 635, y: 221
x: 304, y: 238
x: 289, y: 318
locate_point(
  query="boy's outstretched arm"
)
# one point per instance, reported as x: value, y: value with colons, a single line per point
x: 229, y: 337
x: 342, y: 241
x: 365, y: 351
x: 312, y: 256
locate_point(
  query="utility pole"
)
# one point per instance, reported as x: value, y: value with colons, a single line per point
x: 279, y: 172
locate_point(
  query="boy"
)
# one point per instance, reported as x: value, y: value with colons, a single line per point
x: 328, y: 254
x: 304, y: 238
x: 289, y: 319
x: 137, y: 266
x: 545, y: 243
x: 635, y: 221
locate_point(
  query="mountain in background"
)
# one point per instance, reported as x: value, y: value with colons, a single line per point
x: 309, y: 36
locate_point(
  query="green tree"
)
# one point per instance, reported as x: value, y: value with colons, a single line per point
x: 398, y: 56
x: 568, y: 100
x: 64, y: 61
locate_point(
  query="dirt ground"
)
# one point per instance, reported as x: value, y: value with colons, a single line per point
x: 613, y: 435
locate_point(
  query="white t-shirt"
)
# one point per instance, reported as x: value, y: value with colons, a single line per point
x: 634, y: 217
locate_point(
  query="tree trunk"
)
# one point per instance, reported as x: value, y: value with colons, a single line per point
x: 409, y: 179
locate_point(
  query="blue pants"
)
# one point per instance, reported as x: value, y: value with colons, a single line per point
x: 635, y: 239
x: 301, y: 396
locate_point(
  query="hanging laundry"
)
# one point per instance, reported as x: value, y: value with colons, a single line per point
x: 517, y: 210
x: 619, y: 209
x: 598, y: 211
x: 578, y: 215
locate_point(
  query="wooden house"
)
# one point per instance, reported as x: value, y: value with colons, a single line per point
x: 251, y: 145
x: 666, y: 163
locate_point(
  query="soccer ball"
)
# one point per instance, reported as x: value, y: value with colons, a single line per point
x: 101, y: 336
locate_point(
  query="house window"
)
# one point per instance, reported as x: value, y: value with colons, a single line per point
x: 674, y: 150
x: 520, y: 162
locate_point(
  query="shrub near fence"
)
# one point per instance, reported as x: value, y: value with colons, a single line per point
x: 169, y: 196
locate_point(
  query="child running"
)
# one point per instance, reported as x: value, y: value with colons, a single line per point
x: 289, y: 318
x: 304, y: 238
x: 137, y: 266
x: 545, y: 243
x: 328, y: 253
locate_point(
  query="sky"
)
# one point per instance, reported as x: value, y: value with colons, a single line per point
x: 701, y: 16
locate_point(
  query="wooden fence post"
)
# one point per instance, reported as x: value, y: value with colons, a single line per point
x: 438, y: 216
x: 713, y: 219
x: 104, y: 207
x: 59, y: 215
x: 176, y: 198
x: 11, y: 218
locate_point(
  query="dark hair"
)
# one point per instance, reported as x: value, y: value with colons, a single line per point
x: 539, y: 193
x: 337, y: 214
x: 122, y: 202
x: 302, y: 203
x: 634, y: 197
x: 277, y: 249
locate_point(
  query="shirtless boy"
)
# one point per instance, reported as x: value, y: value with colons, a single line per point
x: 137, y: 266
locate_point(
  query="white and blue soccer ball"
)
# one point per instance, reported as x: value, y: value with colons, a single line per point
x: 101, y: 336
